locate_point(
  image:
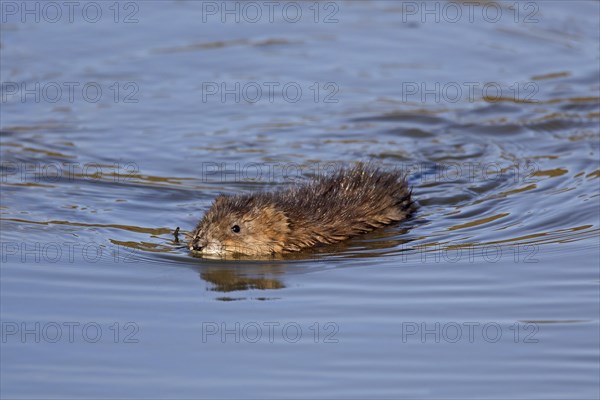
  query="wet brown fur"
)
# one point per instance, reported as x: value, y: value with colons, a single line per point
x: 330, y: 209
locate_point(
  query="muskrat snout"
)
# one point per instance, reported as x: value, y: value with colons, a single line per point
x: 196, y: 243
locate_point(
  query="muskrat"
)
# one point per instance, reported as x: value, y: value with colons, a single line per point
x: 350, y: 202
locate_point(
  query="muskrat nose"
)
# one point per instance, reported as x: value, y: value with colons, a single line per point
x: 196, y: 247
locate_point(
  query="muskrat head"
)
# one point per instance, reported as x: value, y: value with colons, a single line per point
x: 242, y: 225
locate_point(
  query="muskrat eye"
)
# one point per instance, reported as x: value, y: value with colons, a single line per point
x: 235, y: 228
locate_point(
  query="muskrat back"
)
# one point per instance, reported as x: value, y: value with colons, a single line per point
x: 330, y: 209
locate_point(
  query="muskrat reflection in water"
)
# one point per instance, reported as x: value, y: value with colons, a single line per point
x: 330, y: 209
